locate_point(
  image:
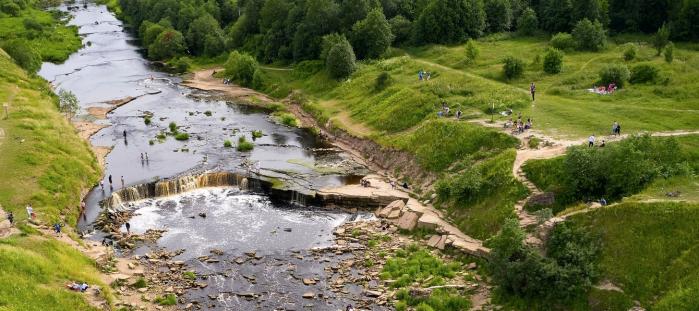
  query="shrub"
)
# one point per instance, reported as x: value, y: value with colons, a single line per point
x: 340, y: 62
x: 182, y: 136
x: 256, y: 134
x: 173, y: 127
x: 563, y: 41
x: 227, y: 143
x: 644, y: 73
x: 287, y: 119
x: 616, y: 73
x: 382, y: 81
x: 670, y: 53
x: 661, y: 38
x: 528, y: 23
x: 140, y: 283
x: 589, y: 36
x: 180, y: 64
x: 23, y: 54
x: 32, y: 24
x: 241, y: 68
x: 244, y: 145
x: 472, y: 51
x: 630, y: 52
x: 189, y: 275
x: 147, y: 120
x: 207, y: 113
x: 569, y: 270
x: 10, y: 8
x: 259, y: 80
x: 513, y: 67
x: 553, y: 61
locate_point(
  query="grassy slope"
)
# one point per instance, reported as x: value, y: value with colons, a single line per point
x: 650, y: 250
x: 563, y: 105
x: 43, y: 160
x: 55, y: 42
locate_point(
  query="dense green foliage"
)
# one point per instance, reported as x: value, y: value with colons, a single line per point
x: 241, y: 68
x: 553, y: 61
x: 614, y: 73
x: 340, y: 60
x: 589, y: 36
x: 661, y: 38
x: 617, y: 170
x: 528, y: 23
x: 630, y: 52
x: 644, y: 73
x: 563, y: 41
x: 568, y: 270
x: 372, y: 36
x: 167, y: 44
x: 512, y: 67
x: 23, y: 54
x: 669, y: 53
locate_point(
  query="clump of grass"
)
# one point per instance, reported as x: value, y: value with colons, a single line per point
x: 182, y: 136
x: 207, y: 113
x: 147, y: 120
x: 151, y: 142
x: 161, y: 136
x: 256, y: 134
x: 244, y: 145
x: 167, y: 300
x: 173, y: 127
x: 287, y: 119
x: 140, y: 283
x: 227, y: 143
x: 534, y: 143
x: 189, y: 275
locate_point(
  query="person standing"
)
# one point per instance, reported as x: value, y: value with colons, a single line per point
x: 128, y: 228
x: 102, y: 185
x: 532, y: 90
x: 110, y: 180
x: 591, y: 141
x: 11, y: 218
x: 57, y: 228
x: 122, y: 182
x: 30, y: 211
x: 614, y: 127
x: 618, y: 129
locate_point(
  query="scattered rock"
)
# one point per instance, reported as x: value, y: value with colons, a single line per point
x: 309, y: 282
x: 309, y: 295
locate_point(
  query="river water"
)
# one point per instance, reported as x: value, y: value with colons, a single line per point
x: 110, y: 67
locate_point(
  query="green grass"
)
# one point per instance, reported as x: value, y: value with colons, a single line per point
x: 167, y: 300
x: 182, y: 136
x: 650, y: 251
x: 35, y: 270
x: 244, y: 145
x: 563, y: 105
x: 43, y: 161
x: 55, y: 41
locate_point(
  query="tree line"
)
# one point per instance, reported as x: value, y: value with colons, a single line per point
x: 297, y: 30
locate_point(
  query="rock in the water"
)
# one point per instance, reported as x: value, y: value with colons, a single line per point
x: 309, y: 295
x: 308, y: 282
x: 202, y: 215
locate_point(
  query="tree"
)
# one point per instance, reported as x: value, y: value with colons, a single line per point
x: 472, y: 51
x: 169, y: 43
x: 614, y: 73
x: 555, y: 15
x: 213, y: 44
x: 661, y: 38
x: 202, y: 27
x: 67, y: 103
x: 241, y: 68
x: 670, y: 53
x: 590, y: 9
x: 528, y: 23
x: 589, y: 36
x: 498, y: 15
x: 23, y: 54
x: 513, y: 67
x: 688, y: 20
x: 151, y: 33
x: 563, y: 41
x: 372, y: 36
x: 353, y: 11
x: 553, y: 61
x: 320, y: 18
x: 450, y: 21
x: 401, y: 28
x: 341, y: 60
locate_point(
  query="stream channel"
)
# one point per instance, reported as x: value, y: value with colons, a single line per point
x: 110, y: 67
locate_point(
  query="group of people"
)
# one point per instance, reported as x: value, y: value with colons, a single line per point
x: 616, y: 129
x: 519, y: 126
x: 604, y: 89
x: 444, y: 112
x: 423, y: 75
x: 111, y: 184
x: 365, y: 183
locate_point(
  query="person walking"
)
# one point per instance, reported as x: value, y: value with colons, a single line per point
x: 30, y: 212
x: 618, y: 129
x: 110, y: 180
x: 128, y: 228
x: 532, y: 90
x: 122, y: 182
x: 591, y: 141
x: 614, y: 127
x: 57, y: 228
x: 11, y: 218
x: 102, y: 185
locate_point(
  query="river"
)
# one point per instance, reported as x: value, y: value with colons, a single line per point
x: 111, y: 67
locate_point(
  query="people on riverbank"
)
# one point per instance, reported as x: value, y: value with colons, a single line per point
x: 591, y: 141
x: 30, y: 212
x: 57, y: 229
x: 11, y: 218
x: 616, y: 129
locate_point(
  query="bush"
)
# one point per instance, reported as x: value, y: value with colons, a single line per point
x: 661, y: 38
x: 147, y: 120
x: 32, y: 24
x: 553, y: 61
x: 382, y: 81
x: 630, y: 52
x: 180, y: 64
x: 670, y: 53
x: 614, y: 73
x: 259, y: 80
x: 644, y: 73
x: 513, y: 67
x: 173, y: 127
x: 528, y: 23
x: 23, y: 54
x: 168, y: 44
x: 182, y: 136
x: 472, y: 51
x: 256, y: 134
x: 227, y: 143
x: 189, y: 275
x: 341, y: 60
x: 241, y: 68
x: 589, y: 36
x: 563, y: 41
x: 244, y: 145
x: 10, y: 8
x: 287, y: 119
x: 568, y: 272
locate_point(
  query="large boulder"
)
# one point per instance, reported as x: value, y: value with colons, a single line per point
x: 408, y: 221
x: 392, y: 209
x: 429, y: 221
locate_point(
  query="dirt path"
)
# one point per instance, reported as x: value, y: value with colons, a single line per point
x: 205, y: 80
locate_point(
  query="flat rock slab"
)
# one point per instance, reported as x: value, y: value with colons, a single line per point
x: 408, y: 221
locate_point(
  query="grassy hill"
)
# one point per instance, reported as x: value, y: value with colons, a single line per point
x: 43, y: 161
